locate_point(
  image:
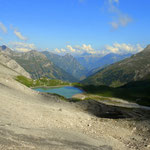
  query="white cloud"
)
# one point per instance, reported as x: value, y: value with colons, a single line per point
x: 118, y: 48
x: 112, y: 49
x: 120, y: 19
x: 124, y: 19
x: 87, y: 47
x: 69, y: 47
x: 21, y: 46
x: 115, y: 25
x: 123, y: 48
x: 57, y: 50
x: 19, y: 35
x: 63, y: 50
x: 84, y: 48
x: 78, y: 49
x: 3, y: 28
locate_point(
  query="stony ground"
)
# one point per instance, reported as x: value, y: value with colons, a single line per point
x: 33, y: 121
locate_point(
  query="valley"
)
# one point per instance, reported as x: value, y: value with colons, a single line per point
x: 124, y: 79
x: 134, y: 68
x: 85, y: 119
x: 74, y: 75
x: 34, y: 120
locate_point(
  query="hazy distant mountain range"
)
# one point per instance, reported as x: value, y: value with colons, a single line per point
x: 135, y: 68
x: 93, y: 62
x: 67, y: 68
x: 82, y: 66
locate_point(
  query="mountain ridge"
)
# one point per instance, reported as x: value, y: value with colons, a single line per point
x: 135, y: 68
x: 93, y: 62
x: 67, y: 63
x: 37, y: 65
x: 12, y: 64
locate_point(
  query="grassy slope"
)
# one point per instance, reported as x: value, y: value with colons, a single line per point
x: 134, y: 91
x: 40, y: 82
x: 138, y: 91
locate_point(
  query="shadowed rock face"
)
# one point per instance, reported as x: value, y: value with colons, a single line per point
x: 102, y: 110
x: 67, y: 63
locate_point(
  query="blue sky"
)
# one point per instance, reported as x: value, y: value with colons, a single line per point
x: 75, y: 25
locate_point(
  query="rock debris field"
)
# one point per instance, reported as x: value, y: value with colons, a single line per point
x: 30, y: 120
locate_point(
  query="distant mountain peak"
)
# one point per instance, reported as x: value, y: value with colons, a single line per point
x: 68, y: 63
x: 3, y: 47
x: 68, y: 55
x: 86, y: 54
x: 147, y: 48
x: 33, y: 51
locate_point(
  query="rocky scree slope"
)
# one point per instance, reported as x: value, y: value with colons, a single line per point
x: 12, y: 64
x: 31, y: 120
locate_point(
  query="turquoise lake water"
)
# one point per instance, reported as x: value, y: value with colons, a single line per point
x: 66, y: 91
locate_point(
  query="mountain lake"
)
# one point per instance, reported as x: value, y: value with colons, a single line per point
x: 66, y: 91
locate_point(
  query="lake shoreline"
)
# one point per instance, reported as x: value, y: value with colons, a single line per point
x: 66, y: 91
x: 57, y: 86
